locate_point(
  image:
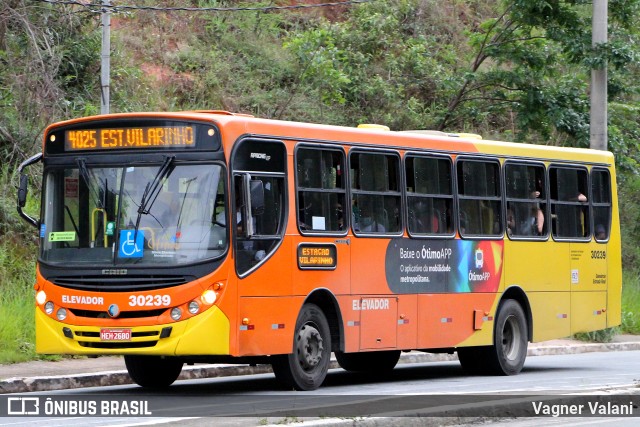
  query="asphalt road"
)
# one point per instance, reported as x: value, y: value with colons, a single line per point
x: 426, y: 390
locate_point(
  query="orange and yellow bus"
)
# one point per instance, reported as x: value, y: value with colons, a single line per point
x: 208, y: 236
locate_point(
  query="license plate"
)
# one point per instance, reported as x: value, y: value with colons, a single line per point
x: 115, y: 334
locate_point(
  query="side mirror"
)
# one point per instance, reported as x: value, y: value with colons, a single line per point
x: 253, y: 201
x: 256, y: 189
x: 23, y: 190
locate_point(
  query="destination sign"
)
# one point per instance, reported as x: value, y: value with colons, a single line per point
x: 317, y: 257
x: 131, y: 134
x: 130, y: 137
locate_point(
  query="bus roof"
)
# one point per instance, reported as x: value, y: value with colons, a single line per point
x: 233, y: 125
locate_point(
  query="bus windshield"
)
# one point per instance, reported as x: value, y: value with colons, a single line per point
x: 140, y: 215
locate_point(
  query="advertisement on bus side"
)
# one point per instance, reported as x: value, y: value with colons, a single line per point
x: 443, y: 266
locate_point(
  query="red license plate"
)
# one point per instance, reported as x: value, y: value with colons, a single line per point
x: 115, y: 334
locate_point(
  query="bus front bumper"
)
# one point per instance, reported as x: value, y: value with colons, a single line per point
x: 204, y: 334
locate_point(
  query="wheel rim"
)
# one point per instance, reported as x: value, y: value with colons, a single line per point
x: 309, y: 347
x: 511, y: 339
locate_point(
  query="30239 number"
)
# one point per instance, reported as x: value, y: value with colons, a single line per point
x: 149, y: 300
x: 598, y: 255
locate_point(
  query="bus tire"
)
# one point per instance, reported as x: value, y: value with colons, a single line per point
x: 510, y: 339
x: 509, y: 350
x: 153, y: 371
x: 374, y: 361
x: 306, y: 368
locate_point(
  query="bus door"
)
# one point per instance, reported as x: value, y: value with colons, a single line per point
x: 261, y: 254
x: 536, y: 257
x: 588, y: 286
x: 589, y: 269
x: 571, y: 209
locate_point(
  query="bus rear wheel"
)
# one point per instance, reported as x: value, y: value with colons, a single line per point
x: 306, y: 368
x: 509, y: 350
x: 375, y: 361
x: 153, y: 371
x: 510, y: 339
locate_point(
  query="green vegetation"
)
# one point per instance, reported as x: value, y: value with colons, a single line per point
x: 631, y: 304
x: 17, y: 275
x: 629, y: 194
x: 512, y: 69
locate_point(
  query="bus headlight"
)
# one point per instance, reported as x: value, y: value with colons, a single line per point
x: 61, y: 314
x: 41, y: 297
x: 48, y: 307
x: 209, y: 297
x: 176, y: 313
x: 194, y: 307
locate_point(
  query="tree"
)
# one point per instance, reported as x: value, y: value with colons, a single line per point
x: 532, y: 61
x: 46, y: 66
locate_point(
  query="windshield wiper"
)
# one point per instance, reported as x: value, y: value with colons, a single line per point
x: 152, y: 190
x: 85, y: 174
x: 184, y: 198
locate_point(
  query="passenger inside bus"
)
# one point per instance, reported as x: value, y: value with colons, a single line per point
x: 534, y: 223
x: 579, y: 198
x: 511, y: 222
x: 339, y: 213
x: 421, y: 221
x: 368, y: 222
x: 536, y: 210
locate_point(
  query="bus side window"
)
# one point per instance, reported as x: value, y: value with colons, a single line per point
x: 526, y: 200
x: 375, y: 189
x: 569, y: 204
x: 429, y: 188
x: 601, y: 202
x: 268, y: 223
x: 321, y: 191
x: 479, y: 197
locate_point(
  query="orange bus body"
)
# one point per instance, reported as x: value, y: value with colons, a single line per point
x: 561, y: 286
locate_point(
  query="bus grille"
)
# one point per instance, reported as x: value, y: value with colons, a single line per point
x: 117, y: 345
x: 139, y: 339
x: 120, y: 283
x: 123, y: 314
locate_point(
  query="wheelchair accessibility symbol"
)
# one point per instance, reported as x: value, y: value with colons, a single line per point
x: 128, y: 247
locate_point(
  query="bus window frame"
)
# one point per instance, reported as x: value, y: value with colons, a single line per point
x: 232, y: 215
x: 599, y: 204
x: 405, y: 195
x: 400, y: 177
x: 346, y: 208
x: 501, y: 197
x: 547, y: 211
x: 574, y: 166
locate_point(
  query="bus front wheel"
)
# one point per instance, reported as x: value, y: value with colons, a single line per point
x: 306, y: 368
x: 509, y: 350
x: 153, y: 371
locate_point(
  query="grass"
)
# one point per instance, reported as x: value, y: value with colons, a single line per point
x: 18, y: 251
x: 630, y: 303
x: 17, y: 273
